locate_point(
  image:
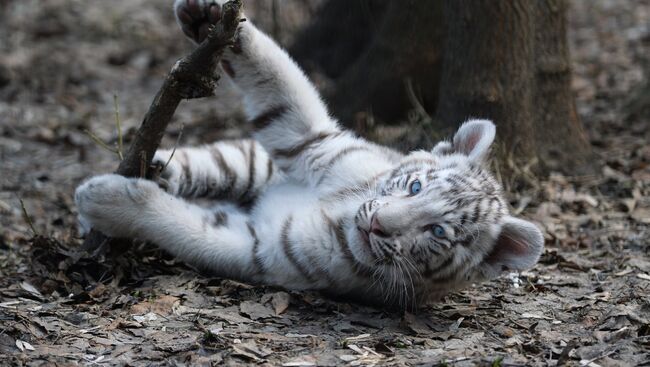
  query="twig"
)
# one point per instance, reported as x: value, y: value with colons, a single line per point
x: 178, y: 140
x: 26, y: 216
x: 99, y: 142
x: 194, y: 76
x: 118, y: 122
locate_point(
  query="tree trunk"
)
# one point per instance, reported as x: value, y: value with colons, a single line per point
x: 561, y: 141
x: 487, y: 70
x: 508, y: 61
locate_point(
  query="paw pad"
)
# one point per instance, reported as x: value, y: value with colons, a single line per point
x: 196, y: 17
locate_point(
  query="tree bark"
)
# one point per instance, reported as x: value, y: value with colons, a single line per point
x: 487, y: 69
x: 561, y: 141
x: 508, y: 61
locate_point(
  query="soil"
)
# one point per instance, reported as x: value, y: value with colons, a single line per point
x: 62, y: 62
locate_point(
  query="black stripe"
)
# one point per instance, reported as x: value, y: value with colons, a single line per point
x: 266, y: 118
x: 263, y: 81
x: 477, y: 212
x: 339, y: 234
x: 337, y: 157
x: 297, y: 149
x: 314, y: 157
x: 228, y: 173
x: 340, y: 155
x: 257, y: 260
x: 239, y: 144
x: 289, y: 251
x: 428, y: 273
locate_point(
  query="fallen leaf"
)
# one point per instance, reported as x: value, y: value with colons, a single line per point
x: 23, y: 345
x: 280, y: 302
x: 624, y: 272
x: 641, y: 215
x: 303, y: 361
x: 640, y: 263
x: 99, y: 292
x: 255, y: 310
x: 31, y: 290
x: 384, y: 349
x: 529, y: 315
x: 371, y: 351
x: 145, y: 318
x: 251, y: 351
x: 358, y: 337
x: 357, y: 349
x: 415, y: 325
x: 643, y: 276
x: 162, y: 305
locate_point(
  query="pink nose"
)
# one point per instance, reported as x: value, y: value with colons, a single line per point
x: 376, y: 228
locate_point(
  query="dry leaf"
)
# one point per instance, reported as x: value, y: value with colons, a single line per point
x: 530, y: 315
x: 162, y: 305
x: 415, y: 325
x: 255, y: 310
x: 31, y: 290
x: 23, y: 345
x: 643, y: 276
x: 280, y: 302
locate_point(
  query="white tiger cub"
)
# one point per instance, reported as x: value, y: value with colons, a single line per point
x: 328, y: 210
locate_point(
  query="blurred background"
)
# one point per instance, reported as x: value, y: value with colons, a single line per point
x: 566, y: 82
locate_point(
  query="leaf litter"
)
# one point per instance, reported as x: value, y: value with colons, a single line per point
x: 587, y: 303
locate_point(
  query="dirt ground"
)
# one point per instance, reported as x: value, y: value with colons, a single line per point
x: 586, y: 303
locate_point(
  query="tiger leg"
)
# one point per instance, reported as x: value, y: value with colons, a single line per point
x: 287, y: 113
x: 222, y: 240
x: 231, y: 169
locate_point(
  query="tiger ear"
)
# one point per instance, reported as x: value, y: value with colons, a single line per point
x: 473, y: 139
x: 518, y: 247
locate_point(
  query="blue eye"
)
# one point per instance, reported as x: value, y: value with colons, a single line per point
x: 438, y: 231
x: 415, y: 187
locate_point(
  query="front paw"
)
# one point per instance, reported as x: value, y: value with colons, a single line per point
x: 113, y: 204
x: 196, y: 16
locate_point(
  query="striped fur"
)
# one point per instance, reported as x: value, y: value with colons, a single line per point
x: 306, y: 205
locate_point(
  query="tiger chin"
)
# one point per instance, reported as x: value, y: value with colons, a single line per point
x: 307, y: 205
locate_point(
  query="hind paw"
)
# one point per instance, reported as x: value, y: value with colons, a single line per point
x: 113, y: 204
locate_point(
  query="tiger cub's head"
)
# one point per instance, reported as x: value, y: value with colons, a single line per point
x: 439, y: 220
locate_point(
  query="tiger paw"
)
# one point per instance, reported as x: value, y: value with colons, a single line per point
x: 111, y: 203
x: 196, y: 16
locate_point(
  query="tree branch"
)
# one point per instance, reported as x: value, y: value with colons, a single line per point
x: 193, y: 76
